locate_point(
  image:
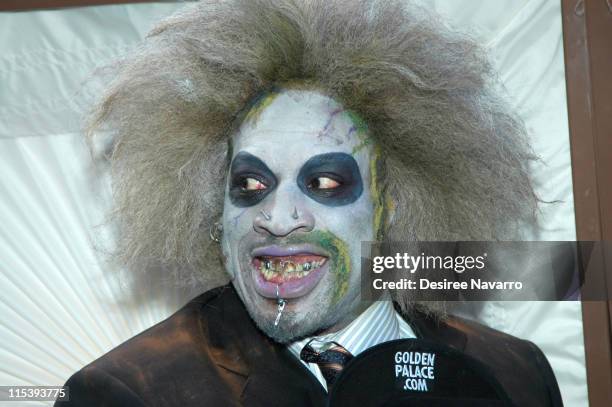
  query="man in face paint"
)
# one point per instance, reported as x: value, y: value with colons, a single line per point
x: 301, y: 193
x: 297, y: 206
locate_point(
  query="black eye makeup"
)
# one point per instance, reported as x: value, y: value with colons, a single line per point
x: 332, y: 179
x: 250, y: 180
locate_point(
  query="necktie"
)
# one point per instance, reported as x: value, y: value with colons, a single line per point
x: 330, y: 361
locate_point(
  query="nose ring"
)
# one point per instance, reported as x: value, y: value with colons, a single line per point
x: 265, y: 215
x: 295, y: 214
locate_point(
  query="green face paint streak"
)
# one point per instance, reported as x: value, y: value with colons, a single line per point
x: 381, y: 204
x: 339, y: 256
x: 364, y: 143
x: 361, y: 129
x: 258, y: 106
x: 360, y: 124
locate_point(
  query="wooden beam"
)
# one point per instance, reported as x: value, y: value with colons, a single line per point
x: 587, y: 29
x: 23, y: 5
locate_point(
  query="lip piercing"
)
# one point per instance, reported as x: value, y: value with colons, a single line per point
x: 265, y: 215
x: 281, y: 306
x: 295, y: 214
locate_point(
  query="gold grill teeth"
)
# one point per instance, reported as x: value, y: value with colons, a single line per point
x: 269, y: 268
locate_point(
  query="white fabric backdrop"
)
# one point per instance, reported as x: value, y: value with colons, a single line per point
x: 60, y: 310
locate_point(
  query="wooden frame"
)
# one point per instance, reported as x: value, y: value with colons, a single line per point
x: 21, y: 5
x: 587, y: 34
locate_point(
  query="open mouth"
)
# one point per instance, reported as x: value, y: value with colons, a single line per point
x: 290, y: 270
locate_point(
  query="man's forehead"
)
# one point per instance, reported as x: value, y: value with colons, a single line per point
x: 297, y: 120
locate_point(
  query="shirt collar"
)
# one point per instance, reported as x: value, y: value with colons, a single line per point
x: 377, y: 324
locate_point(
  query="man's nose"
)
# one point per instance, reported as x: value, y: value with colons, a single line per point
x: 282, y: 216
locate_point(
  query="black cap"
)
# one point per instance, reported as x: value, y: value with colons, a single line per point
x: 415, y: 372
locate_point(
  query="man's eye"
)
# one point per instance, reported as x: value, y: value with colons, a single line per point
x: 323, y: 183
x: 252, y: 184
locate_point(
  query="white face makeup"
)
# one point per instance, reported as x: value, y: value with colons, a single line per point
x: 297, y: 207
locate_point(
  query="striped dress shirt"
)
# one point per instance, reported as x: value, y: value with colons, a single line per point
x: 377, y: 324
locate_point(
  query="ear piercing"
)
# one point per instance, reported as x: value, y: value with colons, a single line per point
x: 215, y: 232
x: 295, y: 213
x: 265, y: 215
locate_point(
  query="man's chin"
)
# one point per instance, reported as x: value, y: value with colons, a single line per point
x: 300, y: 318
x: 285, y: 332
x: 291, y: 326
x: 281, y: 334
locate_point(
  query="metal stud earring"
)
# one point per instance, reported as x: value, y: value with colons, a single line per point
x: 215, y: 232
x: 265, y: 215
x: 295, y: 213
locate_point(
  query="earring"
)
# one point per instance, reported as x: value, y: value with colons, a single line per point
x: 265, y: 215
x: 215, y: 232
x: 295, y: 213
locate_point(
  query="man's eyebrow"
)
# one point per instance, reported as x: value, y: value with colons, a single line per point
x: 342, y: 165
x: 244, y: 161
x: 337, y: 159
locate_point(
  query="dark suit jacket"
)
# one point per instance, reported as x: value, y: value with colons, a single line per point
x: 211, y: 353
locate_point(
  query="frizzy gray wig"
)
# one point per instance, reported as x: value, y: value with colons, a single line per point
x: 453, y: 155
